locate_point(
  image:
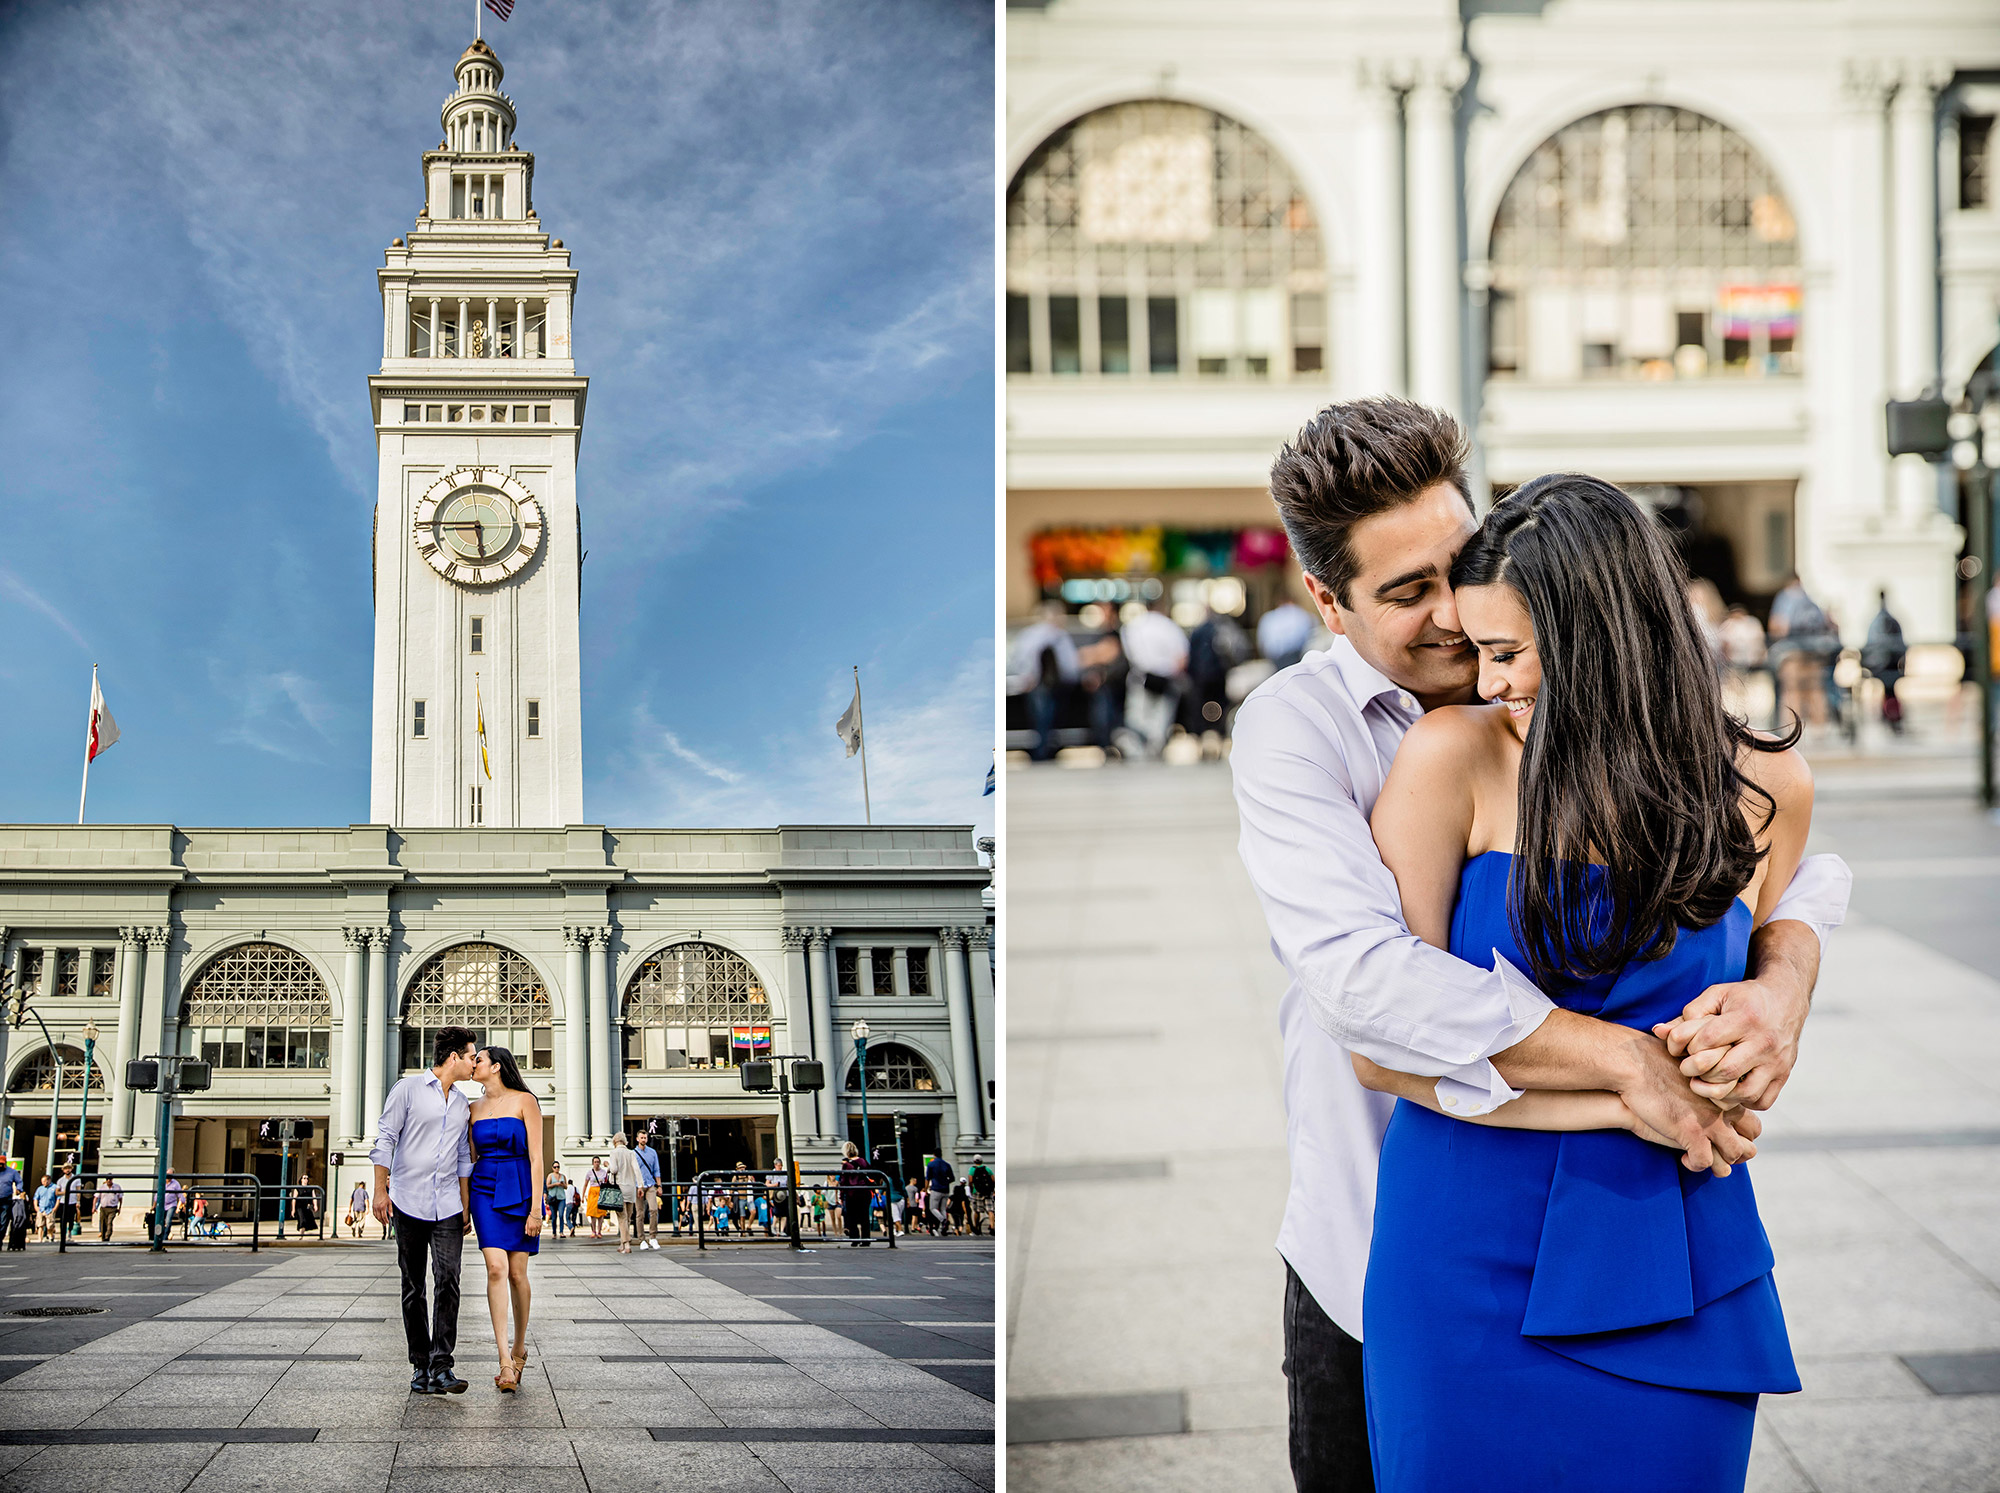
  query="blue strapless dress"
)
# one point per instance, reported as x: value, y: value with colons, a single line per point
x: 503, y: 1186
x: 1567, y: 1311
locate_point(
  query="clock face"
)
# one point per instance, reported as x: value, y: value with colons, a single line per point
x: 478, y: 526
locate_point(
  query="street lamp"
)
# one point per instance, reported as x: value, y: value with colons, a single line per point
x: 83, y: 1125
x: 170, y: 1075
x: 860, y: 1033
x: 22, y: 1013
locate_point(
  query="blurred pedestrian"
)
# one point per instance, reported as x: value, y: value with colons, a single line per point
x: 12, y: 1185
x: 1102, y: 674
x: 110, y: 1198
x: 856, y: 1195
x: 819, y: 1211
x: 69, y: 1197
x: 647, y: 1218
x: 593, y: 1179
x: 1883, y: 654
x: 1284, y: 631
x: 938, y: 1177
x: 1804, y: 644
x: 173, y: 1202
x: 45, y: 1208
x: 357, y: 1208
x: 981, y: 1178
x: 1157, y: 651
x: 1217, y: 645
x: 625, y: 1176
x: 1042, y: 665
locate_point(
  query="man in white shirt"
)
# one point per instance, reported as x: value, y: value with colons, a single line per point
x: 1157, y: 649
x: 1373, y: 495
x: 422, y: 1157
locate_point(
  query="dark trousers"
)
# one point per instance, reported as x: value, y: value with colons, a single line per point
x: 1329, y: 1434
x: 442, y: 1240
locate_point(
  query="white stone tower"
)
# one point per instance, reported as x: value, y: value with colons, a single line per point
x: 478, y: 416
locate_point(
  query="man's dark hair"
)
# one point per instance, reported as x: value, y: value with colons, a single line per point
x: 450, y: 1042
x: 1353, y: 461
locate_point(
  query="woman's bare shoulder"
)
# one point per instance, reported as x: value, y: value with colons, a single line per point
x: 1785, y: 775
x: 1455, y: 736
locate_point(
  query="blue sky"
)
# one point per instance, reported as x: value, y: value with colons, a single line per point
x: 781, y: 218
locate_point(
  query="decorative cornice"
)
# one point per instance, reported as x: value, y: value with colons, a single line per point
x: 794, y: 936
x: 380, y: 937
x: 600, y: 938
x: 355, y: 938
x: 157, y: 937
x: 575, y: 936
x: 977, y: 938
x: 951, y: 938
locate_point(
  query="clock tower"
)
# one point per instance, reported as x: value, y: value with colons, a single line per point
x: 478, y: 416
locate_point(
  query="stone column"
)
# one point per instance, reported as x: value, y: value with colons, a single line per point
x: 131, y: 965
x: 152, y: 1003
x: 86, y: 971
x: 353, y: 1033
x: 436, y: 350
x: 576, y: 1040
x: 492, y: 328
x: 383, y: 1059
x: 520, y: 329
x: 51, y: 972
x: 464, y: 328
x: 1849, y: 345
x: 1435, y: 283
x: 798, y: 1003
x: 1914, y: 282
x: 822, y: 1030
x: 976, y: 941
x: 1380, y: 364
x: 608, y: 1077
x: 958, y: 1006
x: 899, y: 970
x: 864, y: 972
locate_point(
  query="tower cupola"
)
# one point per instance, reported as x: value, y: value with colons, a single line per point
x: 478, y: 118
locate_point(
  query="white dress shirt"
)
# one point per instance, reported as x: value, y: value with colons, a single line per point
x: 1024, y: 656
x: 1312, y: 747
x: 425, y: 1140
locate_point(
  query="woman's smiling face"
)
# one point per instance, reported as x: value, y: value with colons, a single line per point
x: 1510, y: 670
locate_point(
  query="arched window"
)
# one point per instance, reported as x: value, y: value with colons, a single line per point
x: 1644, y: 242
x: 1160, y: 238
x: 491, y: 990
x: 695, y: 1005
x: 38, y: 1073
x: 894, y: 1067
x: 257, y: 1005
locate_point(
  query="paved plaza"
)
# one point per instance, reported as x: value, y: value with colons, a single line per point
x: 1147, y: 1169
x: 748, y: 1367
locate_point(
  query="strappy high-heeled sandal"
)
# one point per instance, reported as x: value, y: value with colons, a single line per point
x: 505, y: 1385
x: 520, y: 1366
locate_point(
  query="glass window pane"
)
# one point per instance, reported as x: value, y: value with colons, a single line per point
x: 1065, y: 337
x: 1017, y: 335
x: 1114, y: 334
x: 1163, y: 333
x: 253, y: 1048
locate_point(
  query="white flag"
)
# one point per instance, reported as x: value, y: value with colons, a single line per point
x: 103, y: 729
x: 848, y: 727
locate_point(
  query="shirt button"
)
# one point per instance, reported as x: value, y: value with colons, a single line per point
x: 1407, y: 702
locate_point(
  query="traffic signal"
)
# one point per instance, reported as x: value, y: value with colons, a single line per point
x: 902, y: 1123
x: 195, y: 1075
x: 142, y: 1075
x: 808, y: 1075
x: 756, y: 1076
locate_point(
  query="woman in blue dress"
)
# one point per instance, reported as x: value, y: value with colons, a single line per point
x: 1553, y: 1300
x: 506, y: 1160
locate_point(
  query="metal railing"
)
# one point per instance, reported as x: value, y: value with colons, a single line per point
x: 730, y: 1186
x: 207, y: 1185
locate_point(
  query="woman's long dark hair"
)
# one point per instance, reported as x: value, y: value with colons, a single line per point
x: 510, y: 1071
x: 1630, y: 757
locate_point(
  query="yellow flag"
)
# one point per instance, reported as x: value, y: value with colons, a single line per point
x: 480, y: 700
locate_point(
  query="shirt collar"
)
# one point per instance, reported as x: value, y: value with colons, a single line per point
x: 1362, y: 680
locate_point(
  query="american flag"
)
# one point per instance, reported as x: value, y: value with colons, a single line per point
x: 501, y: 8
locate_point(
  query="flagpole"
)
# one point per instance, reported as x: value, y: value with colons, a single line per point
x: 477, y: 19
x: 861, y: 730
x: 89, y: 716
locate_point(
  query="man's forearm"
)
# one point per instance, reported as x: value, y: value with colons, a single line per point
x: 381, y: 1181
x: 1571, y: 1051
x: 1786, y: 954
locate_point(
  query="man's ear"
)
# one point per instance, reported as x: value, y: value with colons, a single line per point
x: 1323, y: 603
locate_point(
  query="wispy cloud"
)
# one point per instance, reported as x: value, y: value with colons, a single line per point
x: 32, y: 599
x: 284, y: 714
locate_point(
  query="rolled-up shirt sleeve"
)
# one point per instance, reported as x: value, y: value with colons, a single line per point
x: 464, y: 1148
x: 1817, y: 896
x: 1337, y: 925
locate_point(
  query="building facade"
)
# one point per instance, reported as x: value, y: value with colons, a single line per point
x: 1689, y: 249
x: 631, y: 971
